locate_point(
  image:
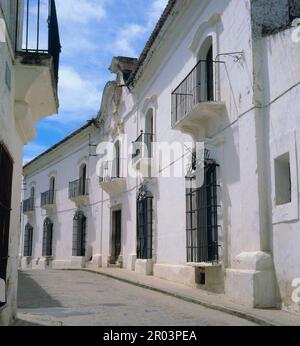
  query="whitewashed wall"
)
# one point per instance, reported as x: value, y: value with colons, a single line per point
x: 64, y: 164
x: 258, y: 240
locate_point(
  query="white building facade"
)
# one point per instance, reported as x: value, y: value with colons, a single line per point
x: 28, y: 93
x: 219, y: 83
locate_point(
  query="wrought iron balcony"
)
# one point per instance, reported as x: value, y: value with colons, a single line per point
x: 143, y: 146
x: 196, y: 96
x: 48, y: 198
x: 111, y: 170
x: 38, y: 37
x: 37, y: 50
x: 28, y: 205
x: 78, y: 188
x: 142, y: 157
x: 113, y: 176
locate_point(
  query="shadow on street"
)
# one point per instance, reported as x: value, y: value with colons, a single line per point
x: 31, y: 295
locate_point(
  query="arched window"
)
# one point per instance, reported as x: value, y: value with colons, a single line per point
x: 52, y: 184
x: 32, y: 192
x: 6, y: 172
x: 51, y: 190
x: 28, y: 240
x: 149, y: 131
x: 117, y: 161
x: 47, y: 238
x: 205, y: 73
x: 82, y: 180
x: 144, y: 224
x: 79, y: 234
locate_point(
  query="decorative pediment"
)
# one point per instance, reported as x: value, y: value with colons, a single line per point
x: 149, y: 102
x: 198, y: 37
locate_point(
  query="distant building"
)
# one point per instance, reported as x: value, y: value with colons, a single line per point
x: 224, y: 74
x: 28, y: 93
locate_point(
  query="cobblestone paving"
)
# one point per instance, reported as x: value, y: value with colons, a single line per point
x: 85, y: 299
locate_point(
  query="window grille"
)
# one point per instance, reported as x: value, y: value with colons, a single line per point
x: 47, y: 238
x: 28, y: 240
x: 144, y: 224
x: 79, y: 234
x: 202, y: 217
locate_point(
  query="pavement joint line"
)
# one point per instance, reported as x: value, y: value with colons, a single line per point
x: 231, y: 311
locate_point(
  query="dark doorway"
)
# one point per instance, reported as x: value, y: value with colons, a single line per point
x: 6, y: 174
x: 116, y: 235
x: 82, y: 181
x: 117, y: 163
x: 210, y: 75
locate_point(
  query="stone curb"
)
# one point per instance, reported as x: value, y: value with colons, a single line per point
x: 226, y: 309
x: 37, y: 321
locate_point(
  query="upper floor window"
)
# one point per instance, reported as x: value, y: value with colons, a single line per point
x: 205, y: 72
x: 32, y: 193
x: 117, y: 160
x: 82, y: 179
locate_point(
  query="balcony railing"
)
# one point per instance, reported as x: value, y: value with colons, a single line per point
x: 78, y: 188
x: 28, y: 205
x: 111, y: 170
x: 142, y: 147
x: 47, y: 198
x: 40, y: 30
x: 199, y: 86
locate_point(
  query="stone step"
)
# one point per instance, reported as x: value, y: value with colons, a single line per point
x: 115, y: 265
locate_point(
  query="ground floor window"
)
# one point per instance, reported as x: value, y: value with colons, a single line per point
x: 79, y: 234
x: 6, y: 174
x: 28, y: 240
x: 144, y: 209
x: 47, y: 238
x: 202, y: 217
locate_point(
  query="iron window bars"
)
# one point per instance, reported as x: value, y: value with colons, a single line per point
x: 144, y: 141
x: 199, y: 86
x: 6, y: 169
x: 144, y: 207
x: 28, y: 236
x: 202, y: 217
x: 113, y: 169
x: 79, y: 234
x: 32, y: 42
x: 116, y: 236
x: 47, y: 238
x: 47, y: 198
x: 78, y: 188
x: 28, y: 205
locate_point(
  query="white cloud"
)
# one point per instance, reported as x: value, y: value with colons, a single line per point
x: 81, y: 11
x: 76, y: 95
x: 127, y: 37
x: 124, y: 44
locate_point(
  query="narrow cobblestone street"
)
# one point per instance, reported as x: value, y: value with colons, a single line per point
x: 85, y: 299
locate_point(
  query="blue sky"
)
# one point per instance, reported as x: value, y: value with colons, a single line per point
x: 92, y: 32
